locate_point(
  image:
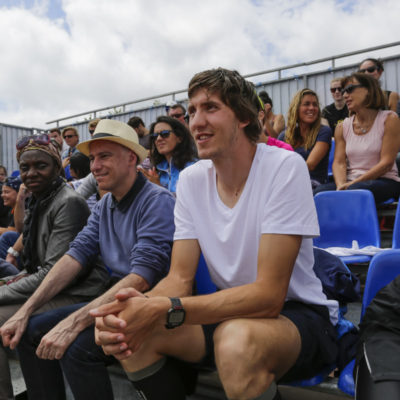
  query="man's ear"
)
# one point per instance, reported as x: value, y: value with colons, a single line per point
x: 134, y: 158
x: 243, y: 124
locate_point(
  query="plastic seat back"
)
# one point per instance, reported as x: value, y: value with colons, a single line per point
x: 331, y: 156
x: 345, y: 216
x: 204, y: 284
x: 384, y: 267
x: 396, y: 229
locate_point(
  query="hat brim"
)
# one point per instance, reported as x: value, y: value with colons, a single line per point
x: 139, y: 150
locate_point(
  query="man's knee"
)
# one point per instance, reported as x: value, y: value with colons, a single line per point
x: 236, y: 350
x: 233, y: 340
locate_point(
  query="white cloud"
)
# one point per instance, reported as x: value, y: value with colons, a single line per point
x: 107, y: 52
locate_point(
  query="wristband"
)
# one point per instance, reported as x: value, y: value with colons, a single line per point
x: 13, y: 252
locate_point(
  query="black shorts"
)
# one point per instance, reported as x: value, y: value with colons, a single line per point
x: 319, y: 347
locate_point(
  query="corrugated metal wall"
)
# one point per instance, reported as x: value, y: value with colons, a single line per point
x: 8, y: 137
x: 281, y: 91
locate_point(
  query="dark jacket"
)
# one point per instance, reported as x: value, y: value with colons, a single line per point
x: 58, y: 224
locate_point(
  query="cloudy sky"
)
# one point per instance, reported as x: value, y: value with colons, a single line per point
x: 60, y: 57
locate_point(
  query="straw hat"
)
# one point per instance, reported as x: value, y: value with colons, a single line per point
x: 117, y: 132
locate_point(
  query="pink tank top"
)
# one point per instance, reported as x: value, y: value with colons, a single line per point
x: 363, y: 151
x: 278, y: 143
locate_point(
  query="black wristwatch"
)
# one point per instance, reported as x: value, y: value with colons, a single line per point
x: 176, y: 314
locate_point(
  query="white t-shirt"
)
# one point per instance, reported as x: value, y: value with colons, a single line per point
x: 276, y: 198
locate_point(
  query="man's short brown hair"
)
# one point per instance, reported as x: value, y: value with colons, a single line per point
x: 237, y: 93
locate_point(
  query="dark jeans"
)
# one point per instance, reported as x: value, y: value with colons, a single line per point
x: 7, y: 239
x: 7, y: 269
x: 84, y: 364
x: 382, y: 188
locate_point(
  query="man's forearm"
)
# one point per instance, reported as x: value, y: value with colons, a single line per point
x: 59, y: 276
x: 172, y: 286
x: 81, y: 317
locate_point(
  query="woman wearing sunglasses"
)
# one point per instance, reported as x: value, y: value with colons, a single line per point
x: 374, y: 68
x: 367, y: 142
x: 171, y: 150
x: 307, y: 136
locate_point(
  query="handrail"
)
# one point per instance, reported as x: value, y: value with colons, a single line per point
x: 279, y: 70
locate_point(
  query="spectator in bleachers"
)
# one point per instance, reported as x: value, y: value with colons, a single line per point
x: 4, y: 211
x: 71, y: 138
x: 92, y: 125
x: 171, y: 151
x: 337, y: 111
x: 374, y: 68
x: 273, y: 123
x: 248, y: 208
x: 3, y: 173
x: 132, y: 229
x: 178, y: 112
x: 264, y: 137
x: 80, y: 168
x: 9, y: 194
x: 55, y: 214
x: 367, y: 142
x: 55, y: 134
x: 307, y: 136
x: 143, y: 133
x: 9, y: 235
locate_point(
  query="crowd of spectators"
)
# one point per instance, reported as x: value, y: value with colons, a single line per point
x: 65, y: 261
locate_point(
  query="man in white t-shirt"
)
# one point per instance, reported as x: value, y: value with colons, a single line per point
x: 249, y: 209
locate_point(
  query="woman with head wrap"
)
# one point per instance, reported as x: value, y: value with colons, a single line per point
x: 54, y: 215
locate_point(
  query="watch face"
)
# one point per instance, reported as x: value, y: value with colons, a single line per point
x: 176, y: 317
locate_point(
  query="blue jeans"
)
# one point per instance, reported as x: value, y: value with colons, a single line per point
x: 382, y: 188
x: 7, y: 239
x: 84, y: 363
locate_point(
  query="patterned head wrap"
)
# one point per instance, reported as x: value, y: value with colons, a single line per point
x: 41, y: 142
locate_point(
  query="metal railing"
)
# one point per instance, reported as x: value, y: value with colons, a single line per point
x: 279, y: 71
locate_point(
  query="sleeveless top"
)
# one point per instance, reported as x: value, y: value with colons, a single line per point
x: 363, y: 151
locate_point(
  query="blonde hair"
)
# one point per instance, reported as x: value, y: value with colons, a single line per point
x: 336, y: 80
x: 292, y: 134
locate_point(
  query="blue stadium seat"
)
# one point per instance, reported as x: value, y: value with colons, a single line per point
x: 384, y: 267
x: 396, y: 229
x: 204, y: 284
x: 331, y: 156
x: 345, y: 216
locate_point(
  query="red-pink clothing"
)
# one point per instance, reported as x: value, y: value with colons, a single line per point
x: 278, y: 143
x: 364, y: 151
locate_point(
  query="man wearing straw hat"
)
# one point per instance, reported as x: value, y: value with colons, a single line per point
x: 132, y: 229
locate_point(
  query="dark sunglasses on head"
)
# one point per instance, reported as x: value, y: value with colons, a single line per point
x: 336, y: 89
x: 369, y: 69
x: 68, y: 136
x: 43, y: 139
x: 350, y: 88
x: 164, y: 134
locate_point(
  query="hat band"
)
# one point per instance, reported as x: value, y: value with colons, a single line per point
x: 100, y: 135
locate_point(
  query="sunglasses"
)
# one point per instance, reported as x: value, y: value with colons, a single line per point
x: 164, y: 134
x: 177, y: 116
x: 43, y: 139
x: 369, y: 69
x: 68, y: 136
x: 350, y: 88
x: 335, y: 89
